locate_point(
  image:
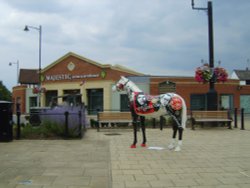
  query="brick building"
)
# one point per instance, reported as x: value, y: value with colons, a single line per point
x: 71, y: 79
x: 194, y: 93
x: 90, y: 83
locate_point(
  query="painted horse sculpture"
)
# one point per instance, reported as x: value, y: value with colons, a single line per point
x: 143, y: 105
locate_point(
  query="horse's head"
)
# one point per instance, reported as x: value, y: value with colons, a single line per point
x: 120, y: 85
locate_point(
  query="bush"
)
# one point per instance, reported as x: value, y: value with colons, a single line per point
x: 47, y: 130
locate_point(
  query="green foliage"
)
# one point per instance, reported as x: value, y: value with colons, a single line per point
x: 48, y: 130
x: 5, y: 94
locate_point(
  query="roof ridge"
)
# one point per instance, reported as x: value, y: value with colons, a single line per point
x: 116, y: 67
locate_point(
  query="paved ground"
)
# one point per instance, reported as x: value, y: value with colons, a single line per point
x: 211, y: 157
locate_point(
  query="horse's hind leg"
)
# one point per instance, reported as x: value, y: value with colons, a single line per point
x: 180, y: 132
x: 134, y: 129
x: 142, y: 120
x: 172, y: 143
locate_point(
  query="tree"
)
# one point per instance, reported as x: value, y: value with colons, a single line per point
x: 5, y: 94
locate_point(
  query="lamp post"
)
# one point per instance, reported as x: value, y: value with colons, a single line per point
x: 17, y: 66
x: 212, y: 94
x: 27, y: 27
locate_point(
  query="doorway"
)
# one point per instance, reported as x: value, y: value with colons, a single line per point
x: 95, y: 101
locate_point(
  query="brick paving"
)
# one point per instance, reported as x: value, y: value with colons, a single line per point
x: 210, y: 157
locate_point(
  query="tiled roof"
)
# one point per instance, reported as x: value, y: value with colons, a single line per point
x: 243, y: 74
x: 28, y: 76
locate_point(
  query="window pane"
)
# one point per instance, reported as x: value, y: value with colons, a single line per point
x: 198, y: 102
x: 124, y: 103
x: 95, y: 100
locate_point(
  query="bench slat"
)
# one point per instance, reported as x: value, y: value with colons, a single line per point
x: 213, y: 120
x: 113, y: 117
x: 211, y: 116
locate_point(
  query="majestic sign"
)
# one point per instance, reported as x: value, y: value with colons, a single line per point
x: 68, y: 77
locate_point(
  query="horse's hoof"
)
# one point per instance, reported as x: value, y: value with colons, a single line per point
x: 171, y: 146
x: 133, y: 146
x: 143, y: 145
x: 178, y: 148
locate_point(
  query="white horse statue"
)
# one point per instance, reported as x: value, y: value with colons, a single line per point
x: 143, y: 105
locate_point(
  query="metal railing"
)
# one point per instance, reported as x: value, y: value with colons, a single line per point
x: 66, y: 118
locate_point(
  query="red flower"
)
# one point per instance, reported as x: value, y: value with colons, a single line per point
x: 205, y: 74
x: 221, y: 74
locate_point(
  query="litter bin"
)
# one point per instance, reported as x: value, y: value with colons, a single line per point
x: 6, y: 133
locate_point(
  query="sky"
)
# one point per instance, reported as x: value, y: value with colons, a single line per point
x: 156, y: 37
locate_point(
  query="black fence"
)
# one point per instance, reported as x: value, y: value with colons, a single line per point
x: 71, y: 121
x: 242, y: 115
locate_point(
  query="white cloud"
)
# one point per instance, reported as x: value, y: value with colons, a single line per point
x: 156, y: 37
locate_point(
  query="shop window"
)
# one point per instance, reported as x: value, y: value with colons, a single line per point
x: 51, y: 98
x: 226, y: 102
x: 198, y: 102
x: 72, y: 97
x: 245, y: 103
x: 33, y: 101
x: 95, y: 101
x: 124, y: 103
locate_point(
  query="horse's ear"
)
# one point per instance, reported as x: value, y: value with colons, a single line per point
x: 123, y: 77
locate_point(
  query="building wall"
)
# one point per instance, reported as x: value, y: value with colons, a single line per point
x: 19, y: 92
x: 60, y: 87
x: 28, y: 94
x: 89, y: 73
x: 58, y: 76
x: 185, y: 86
x: 74, y: 72
x: 82, y: 68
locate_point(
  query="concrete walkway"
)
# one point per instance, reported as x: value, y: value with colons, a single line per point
x: 56, y: 163
x: 211, y: 157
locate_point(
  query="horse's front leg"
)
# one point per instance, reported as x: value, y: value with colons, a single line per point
x: 143, y: 128
x: 134, y: 116
x: 180, y: 132
x: 172, y: 143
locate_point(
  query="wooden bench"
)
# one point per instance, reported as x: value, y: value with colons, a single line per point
x: 113, y: 117
x: 210, y: 117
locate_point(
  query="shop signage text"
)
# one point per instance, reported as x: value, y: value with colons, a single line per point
x: 69, y: 77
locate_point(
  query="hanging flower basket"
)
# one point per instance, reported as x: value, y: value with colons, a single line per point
x: 221, y: 74
x: 37, y: 90
x: 204, y: 74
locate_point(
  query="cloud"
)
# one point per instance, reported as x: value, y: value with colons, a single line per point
x: 153, y: 37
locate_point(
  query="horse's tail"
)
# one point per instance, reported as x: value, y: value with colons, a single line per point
x: 184, y: 114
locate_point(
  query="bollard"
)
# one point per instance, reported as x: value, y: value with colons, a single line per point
x: 161, y: 122
x: 80, y: 123
x: 66, y: 124
x: 97, y: 124
x: 229, y: 123
x: 18, y: 133
x: 242, y: 119
x: 18, y: 115
x: 235, y: 118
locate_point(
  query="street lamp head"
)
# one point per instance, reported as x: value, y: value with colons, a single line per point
x: 10, y: 63
x: 192, y: 3
x: 26, y: 28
